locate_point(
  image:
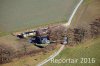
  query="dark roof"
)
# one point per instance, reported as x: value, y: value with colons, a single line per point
x: 38, y: 39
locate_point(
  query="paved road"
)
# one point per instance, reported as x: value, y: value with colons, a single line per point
x: 62, y: 47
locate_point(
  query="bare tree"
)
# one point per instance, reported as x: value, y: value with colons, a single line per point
x: 79, y: 34
x: 6, y: 54
x: 95, y: 28
x: 24, y: 46
x: 56, y: 33
x: 76, y: 35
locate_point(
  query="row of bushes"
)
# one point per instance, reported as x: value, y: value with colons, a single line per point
x: 81, y: 34
x: 75, y: 35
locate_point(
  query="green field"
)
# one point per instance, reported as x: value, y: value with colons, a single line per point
x: 22, y: 14
x: 90, y: 49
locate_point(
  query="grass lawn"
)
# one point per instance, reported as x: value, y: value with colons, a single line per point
x: 90, y: 49
x: 3, y: 33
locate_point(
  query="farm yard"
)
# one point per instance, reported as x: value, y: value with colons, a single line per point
x: 20, y: 45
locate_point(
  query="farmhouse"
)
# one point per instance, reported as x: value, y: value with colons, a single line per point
x: 40, y: 40
x: 41, y: 36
